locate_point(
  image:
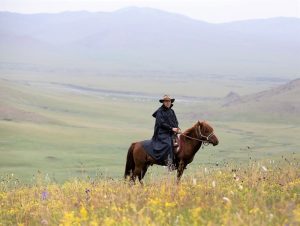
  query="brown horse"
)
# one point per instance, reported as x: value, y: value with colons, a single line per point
x: 190, y: 141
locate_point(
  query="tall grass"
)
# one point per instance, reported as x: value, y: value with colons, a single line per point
x: 262, y: 193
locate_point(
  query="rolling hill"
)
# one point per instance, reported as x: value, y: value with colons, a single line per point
x: 281, y: 103
x: 143, y: 39
x: 80, y: 131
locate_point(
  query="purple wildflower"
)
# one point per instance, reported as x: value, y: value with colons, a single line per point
x: 44, y: 195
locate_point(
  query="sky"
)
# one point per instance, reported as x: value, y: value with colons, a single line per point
x: 215, y: 11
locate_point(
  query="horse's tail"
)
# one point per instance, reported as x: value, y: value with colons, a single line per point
x: 129, y: 162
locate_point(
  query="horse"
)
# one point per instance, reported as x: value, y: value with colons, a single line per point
x: 190, y: 141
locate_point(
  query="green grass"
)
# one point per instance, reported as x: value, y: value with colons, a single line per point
x: 79, y: 134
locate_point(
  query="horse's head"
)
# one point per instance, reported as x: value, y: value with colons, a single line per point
x: 206, y: 132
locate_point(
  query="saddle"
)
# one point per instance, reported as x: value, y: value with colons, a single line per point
x: 175, y: 140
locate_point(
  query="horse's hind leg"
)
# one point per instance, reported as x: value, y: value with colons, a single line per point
x: 140, y: 172
x: 140, y: 159
x: 132, y: 178
x: 134, y: 173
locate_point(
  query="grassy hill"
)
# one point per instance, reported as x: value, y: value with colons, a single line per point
x: 280, y: 103
x: 70, y: 132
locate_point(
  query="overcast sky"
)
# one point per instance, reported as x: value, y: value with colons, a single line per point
x: 207, y: 10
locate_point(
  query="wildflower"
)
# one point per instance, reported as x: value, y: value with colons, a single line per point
x: 254, y: 210
x: 213, y: 184
x: 226, y: 199
x: 194, y: 181
x: 109, y: 221
x: 296, y: 213
x: 196, y: 212
x: 44, y: 195
x: 44, y: 222
x: 93, y: 223
x: 177, y: 220
x: 236, y: 177
x: 170, y: 204
x: 83, y: 214
x: 264, y: 168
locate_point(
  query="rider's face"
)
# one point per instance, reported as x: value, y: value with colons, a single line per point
x: 167, y: 103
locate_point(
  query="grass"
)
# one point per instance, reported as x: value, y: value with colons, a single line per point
x: 63, y: 155
x: 74, y: 134
x: 261, y: 193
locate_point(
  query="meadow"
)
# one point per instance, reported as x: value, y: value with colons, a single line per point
x: 77, y: 88
x: 67, y: 132
x: 261, y: 193
x: 64, y: 144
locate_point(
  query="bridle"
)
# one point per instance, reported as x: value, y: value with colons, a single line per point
x: 199, y: 134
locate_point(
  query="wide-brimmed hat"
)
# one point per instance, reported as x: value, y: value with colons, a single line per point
x: 166, y: 97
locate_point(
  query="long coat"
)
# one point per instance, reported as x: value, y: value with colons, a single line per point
x: 160, y: 146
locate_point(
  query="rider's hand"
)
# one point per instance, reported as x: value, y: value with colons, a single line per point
x: 176, y: 130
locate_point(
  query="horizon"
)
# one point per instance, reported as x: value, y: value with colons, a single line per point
x: 165, y: 11
x: 209, y: 11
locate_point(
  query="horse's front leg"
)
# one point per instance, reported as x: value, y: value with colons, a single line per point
x: 140, y: 171
x: 180, y: 170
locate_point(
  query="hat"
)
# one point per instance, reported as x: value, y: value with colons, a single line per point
x: 166, y: 97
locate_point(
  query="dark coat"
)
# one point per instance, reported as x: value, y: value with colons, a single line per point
x: 160, y: 146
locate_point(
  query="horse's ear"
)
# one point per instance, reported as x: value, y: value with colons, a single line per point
x: 202, y: 123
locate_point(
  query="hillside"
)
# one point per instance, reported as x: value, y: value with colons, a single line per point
x: 280, y: 102
x: 148, y: 40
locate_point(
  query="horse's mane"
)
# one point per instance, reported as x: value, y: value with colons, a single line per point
x: 204, y: 124
x: 189, y: 130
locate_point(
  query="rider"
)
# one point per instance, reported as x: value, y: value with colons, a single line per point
x: 166, y: 125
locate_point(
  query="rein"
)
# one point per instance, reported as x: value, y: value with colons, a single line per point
x: 205, y: 142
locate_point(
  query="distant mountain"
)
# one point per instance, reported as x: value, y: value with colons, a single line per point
x: 279, y: 102
x: 230, y: 98
x: 289, y: 91
x: 145, y: 39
